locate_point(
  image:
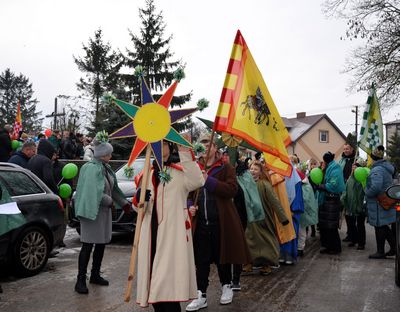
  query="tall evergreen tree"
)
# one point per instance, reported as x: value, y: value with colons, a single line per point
x: 393, y: 150
x: 151, y: 51
x: 14, y: 89
x: 101, y: 65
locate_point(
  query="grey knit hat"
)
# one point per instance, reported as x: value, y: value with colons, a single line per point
x: 101, y: 146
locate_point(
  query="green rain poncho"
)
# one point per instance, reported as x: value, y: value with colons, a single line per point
x: 89, y: 190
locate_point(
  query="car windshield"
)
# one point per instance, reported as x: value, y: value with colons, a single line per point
x: 126, y: 173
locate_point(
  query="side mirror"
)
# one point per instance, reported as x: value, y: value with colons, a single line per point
x: 393, y: 192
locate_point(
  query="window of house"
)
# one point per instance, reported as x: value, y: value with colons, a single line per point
x: 323, y: 136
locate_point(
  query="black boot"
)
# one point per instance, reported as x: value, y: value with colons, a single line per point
x: 80, y: 286
x: 84, y: 256
x: 95, y: 277
x: 380, y: 234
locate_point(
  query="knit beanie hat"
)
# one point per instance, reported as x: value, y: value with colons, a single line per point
x: 328, y: 157
x: 101, y: 146
x: 378, y: 152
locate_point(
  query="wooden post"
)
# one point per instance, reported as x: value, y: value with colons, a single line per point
x: 139, y: 220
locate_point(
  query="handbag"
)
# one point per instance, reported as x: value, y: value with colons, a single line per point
x: 386, y: 202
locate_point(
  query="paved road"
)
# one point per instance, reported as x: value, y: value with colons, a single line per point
x: 349, y: 282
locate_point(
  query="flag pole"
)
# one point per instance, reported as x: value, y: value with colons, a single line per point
x: 139, y: 221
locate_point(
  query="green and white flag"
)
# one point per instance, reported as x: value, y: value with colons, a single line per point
x: 371, y: 134
x: 10, y: 215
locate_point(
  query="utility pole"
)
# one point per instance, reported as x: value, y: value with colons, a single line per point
x: 356, y: 123
x: 55, y: 115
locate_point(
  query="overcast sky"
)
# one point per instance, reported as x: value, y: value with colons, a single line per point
x: 297, y: 49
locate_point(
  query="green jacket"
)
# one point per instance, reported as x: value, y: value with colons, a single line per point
x: 254, y: 208
x: 353, y: 197
x: 90, y: 188
x: 310, y: 215
x: 333, y: 181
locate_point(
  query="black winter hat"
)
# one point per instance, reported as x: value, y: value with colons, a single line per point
x: 328, y: 157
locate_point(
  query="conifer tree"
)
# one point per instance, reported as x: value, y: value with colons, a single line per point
x: 151, y: 51
x: 101, y: 65
x: 14, y: 89
x: 393, y: 150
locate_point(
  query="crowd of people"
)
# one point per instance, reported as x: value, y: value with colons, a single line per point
x: 244, y: 218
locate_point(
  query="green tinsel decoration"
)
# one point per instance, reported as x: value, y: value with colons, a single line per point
x: 129, y: 172
x: 202, y: 104
x: 179, y: 74
x: 102, y: 136
x: 199, y: 148
x: 139, y: 72
x: 164, y: 176
x: 108, y: 97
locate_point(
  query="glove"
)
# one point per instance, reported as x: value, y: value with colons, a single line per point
x: 127, y: 208
x: 286, y: 222
x: 146, y: 197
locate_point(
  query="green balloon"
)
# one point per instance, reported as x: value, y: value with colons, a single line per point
x: 65, y: 190
x: 316, y: 175
x: 69, y: 171
x: 14, y: 144
x: 361, y: 174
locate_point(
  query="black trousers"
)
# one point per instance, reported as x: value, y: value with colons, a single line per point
x: 206, y: 251
x: 385, y: 233
x: 167, y: 307
x: 356, y: 229
x: 84, y: 257
x: 330, y: 239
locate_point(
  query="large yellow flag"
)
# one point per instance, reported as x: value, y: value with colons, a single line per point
x: 246, y: 109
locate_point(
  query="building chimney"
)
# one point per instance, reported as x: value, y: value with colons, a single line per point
x: 301, y: 115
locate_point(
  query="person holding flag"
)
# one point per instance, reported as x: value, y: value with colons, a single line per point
x: 380, y: 177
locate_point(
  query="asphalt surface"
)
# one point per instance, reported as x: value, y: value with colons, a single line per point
x: 346, y: 282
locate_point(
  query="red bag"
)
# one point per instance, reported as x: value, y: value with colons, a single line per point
x: 386, y: 202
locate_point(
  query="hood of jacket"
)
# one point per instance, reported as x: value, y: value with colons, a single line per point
x: 46, y: 148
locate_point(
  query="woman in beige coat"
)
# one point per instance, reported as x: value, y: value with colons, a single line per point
x: 166, y: 269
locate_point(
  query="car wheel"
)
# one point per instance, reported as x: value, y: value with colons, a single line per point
x: 31, y: 251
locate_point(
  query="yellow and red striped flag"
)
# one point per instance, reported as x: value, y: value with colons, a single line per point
x: 246, y: 109
x: 17, y: 123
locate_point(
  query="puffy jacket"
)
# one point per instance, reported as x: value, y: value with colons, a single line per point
x: 379, y: 179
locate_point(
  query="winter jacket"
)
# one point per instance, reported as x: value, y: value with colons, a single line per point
x: 5, y: 145
x: 353, y: 197
x: 379, y: 179
x: 20, y: 159
x: 42, y: 166
x: 217, y: 197
x: 88, y: 152
x: 68, y: 149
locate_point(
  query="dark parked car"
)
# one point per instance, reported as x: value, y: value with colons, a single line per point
x: 121, y: 222
x: 27, y: 247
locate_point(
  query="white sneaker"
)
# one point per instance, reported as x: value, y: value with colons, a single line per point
x: 197, y: 304
x: 227, y: 294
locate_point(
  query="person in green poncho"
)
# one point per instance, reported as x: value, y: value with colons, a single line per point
x: 261, y: 235
x: 353, y: 201
x: 96, y: 193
